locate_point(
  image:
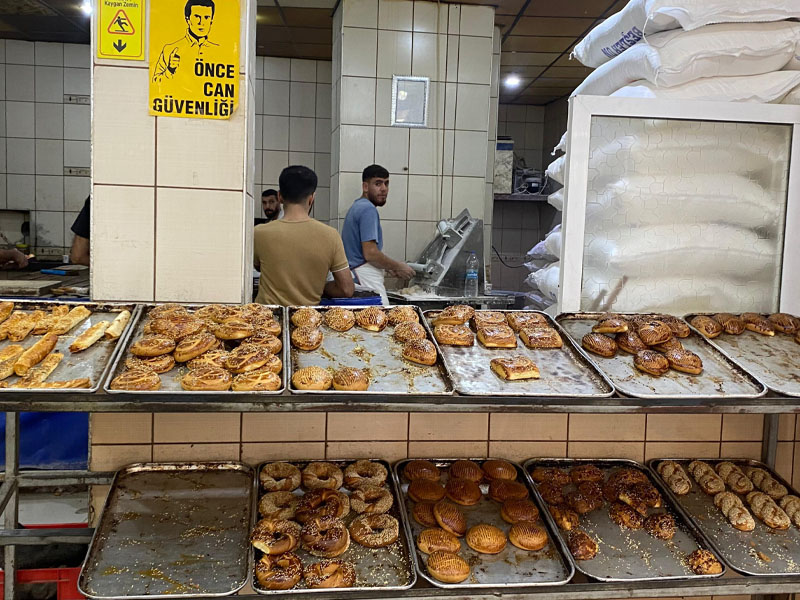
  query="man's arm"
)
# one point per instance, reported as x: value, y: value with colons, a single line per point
x: 378, y: 259
x: 79, y: 253
x: 13, y: 259
x: 342, y: 285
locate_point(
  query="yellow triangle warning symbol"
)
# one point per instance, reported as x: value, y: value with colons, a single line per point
x: 121, y: 24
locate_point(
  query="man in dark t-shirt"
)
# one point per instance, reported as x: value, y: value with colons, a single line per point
x: 79, y: 253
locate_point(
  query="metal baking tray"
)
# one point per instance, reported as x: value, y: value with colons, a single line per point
x: 377, y: 569
x: 625, y: 554
x: 172, y: 530
x: 513, y: 567
x: 721, y: 377
x: 375, y: 352
x: 773, y: 360
x: 780, y: 550
x: 564, y: 372
x: 95, y: 362
x: 171, y: 380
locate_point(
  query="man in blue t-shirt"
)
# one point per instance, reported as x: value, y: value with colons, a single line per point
x: 363, y: 237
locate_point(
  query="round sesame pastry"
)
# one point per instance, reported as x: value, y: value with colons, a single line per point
x: 322, y: 475
x: 409, y: 330
x: 207, y: 379
x: 364, y: 472
x: 137, y: 379
x: 275, y: 536
x: 177, y: 327
x: 371, y: 500
x: 234, y: 329
x: 152, y: 345
x: 349, y: 379
x: 326, y: 537
x: 402, y: 314
x: 260, y: 380
x: 272, y: 343
x: 340, y: 319
x: 306, y: 338
x: 375, y: 531
x: 157, y: 364
x: 280, y: 477
x: 322, y: 503
x: 278, y: 505
x: 372, y: 318
x: 248, y: 357
x: 312, y: 378
x: 330, y: 574
x: 281, y: 572
x: 163, y: 310
x: 306, y: 317
x: 212, y: 358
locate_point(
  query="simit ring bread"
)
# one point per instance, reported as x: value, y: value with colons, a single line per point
x: 454, y: 335
x: 364, y: 472
x: 194, y: 345
x: 466, y: 469
x: 421, y: 469
x: 153, y: 345
x: 514, y: 511
x: 319, y: 475
x: 340, y: 319
x: 306, y: 338
x: 281, y: 572
x: 422, y: 352
x: 280, y: 477
x: 349, y: 379
x: 409, y: 330
x: 372, y: 318
x: 322, y: 503
x: 275, y: 536
x: 157, y: 364
x: 448, y: 567
x: 330, y: 574
x: 486, y: 539
x: 207, y: 379
x: 528, y: 536
x: 499, y: 469
x: 278, y: 505
x: 306, y: 317
x: 312, y: 378
x: 326, y: 537
x: 375, y: 531
x: 425, y: 490
x: 450, y: 518
x: 137, y: 379
x: 372, y: 500
x: 402, y: 314
x: 435, y: 539
x: 463, y: 491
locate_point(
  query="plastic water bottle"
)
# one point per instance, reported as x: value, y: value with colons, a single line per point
x: 471, y: 278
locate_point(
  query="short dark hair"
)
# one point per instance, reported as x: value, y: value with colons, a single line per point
x: 187, y: 10
x: 374, y: 171
x: 269, y: 192
x: 297, y: 183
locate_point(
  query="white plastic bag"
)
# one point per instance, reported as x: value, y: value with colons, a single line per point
x: 556, y: 200
x: 765, y: 88
x: 561, y: 146
x: 556, y: 169
x: 553, y: 242
x: 792, y: 97
x: 546, y: 280
x: 620, y: 31
x: 675, y: 57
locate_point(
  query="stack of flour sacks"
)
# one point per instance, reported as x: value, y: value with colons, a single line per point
x: 716, y: 186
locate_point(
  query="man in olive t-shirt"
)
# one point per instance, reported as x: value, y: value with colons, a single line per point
x: 296, y: 253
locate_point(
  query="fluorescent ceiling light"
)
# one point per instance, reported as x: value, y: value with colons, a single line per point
x: 512, y: 81
x: 86, y: 7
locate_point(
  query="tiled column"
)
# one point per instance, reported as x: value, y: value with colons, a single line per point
x: 172, y: 198
x: 435, y: 172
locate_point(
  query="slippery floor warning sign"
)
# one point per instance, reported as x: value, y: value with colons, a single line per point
x: 121, y: 29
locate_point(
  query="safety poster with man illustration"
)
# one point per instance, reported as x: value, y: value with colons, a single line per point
x: 194, y: 58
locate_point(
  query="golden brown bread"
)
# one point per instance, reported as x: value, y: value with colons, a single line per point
x: 565, y: 518
x: 163, y: 310
x: 89, y: 337
x: 312, y: 378
x: 409, y: 330
x: 528, y: 536
x: 497, y: 336
x: 73, y: 317
x: 6, y: 308
x: 651, y: 362
x: 372, y: 318
x: 630, y: 342
x: 685, y: 361
x: 421, y: 469
x: 272, y: 343
x: 703, y: 562
x: 785, y: 323
x: 249, y: 357
x: 661, y: 526
x: 79, y: 383
x: 466, y: 469
x: 36, y: 376
x: 16, y: 317
x: 675, y: 477
x: 499, y: 469
x: 486, y: 539
x: 350, y: 380
x: 706, y: 477
x: 599, y: 344
x: 306, y: 317
x: 550, y: 474
x: 734, y: 477
x: 307, y: 338
x: 582, y: 546
x: 20, y: 329
x: 463, y: 491
x: 730, y: 323
x: 136, y: 380
x: 152, y: 345
x: 625, y: 516
x: 425, y: 490
x: 707, y: 326
x: 194, y: 345
x: 118, y: 325
x: 520, y: 320
x: 340, y: 319
x: 434, y: 539
x: 731, y: 506
x: 670, y: 344
x: 484, y: 318
x: 375, y: 531
x: 235, y: 329
x: 330, y: 573
x: 454, y: 315
x: 791, y: 505
x: 513, y: 368
x: 8, y: 358
x: 450, y: 518
x: 514, y: 511
x: 540, y: 338
x: 501, y: 490
x: 212, y: 358
x: 157, y: 364
x: 207, y: 379
x: 35, y: 354
x: 402, y: 314
x: 757, y: 323
x: 610, y: 325
x: 448, y: 567
x: 178, y: 326
x: 766, y: 483
x: 422, y: 352
x: 679, y: 327
x: 423, y: 514
x: 261, y: 380
x: 454, y: 335
x: 654, y: 332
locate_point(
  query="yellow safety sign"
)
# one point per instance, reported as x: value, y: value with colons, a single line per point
x: 120, y: 31
x: 194, y: 58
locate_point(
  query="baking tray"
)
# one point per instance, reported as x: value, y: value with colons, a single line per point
x: 564, y: 372
x: 171, y: 380
x: 513, y: 567
x: 377, y: 569
x: 721, y: 377
x: 739, y: 548
x: 375, y: 352
x: 95, y: 362
x: 773, y: 360
x: 172, y: 530
x: 626, y: 555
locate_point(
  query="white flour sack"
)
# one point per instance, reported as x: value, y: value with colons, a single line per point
x: 793, y: 97
x: 556, y: 170
x: 561, y: 146
x: 676, y: 57
x: 556, y: 199
x: 547, y: 280
x: 622, y: 30
x: 765, y: 88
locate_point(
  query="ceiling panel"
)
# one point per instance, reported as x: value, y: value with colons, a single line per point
x: 537, y: 44
x: 540, y: 59
x: 308, y: 17
x: 550, y: 26
x: 571, y: 8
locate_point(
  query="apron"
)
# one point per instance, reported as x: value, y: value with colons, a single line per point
x: 371, y: 278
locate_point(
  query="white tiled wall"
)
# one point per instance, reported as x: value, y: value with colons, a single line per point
x: 293, y: 124
x: 525, y: 124
x: 435, y: 172
x: 44, y: 138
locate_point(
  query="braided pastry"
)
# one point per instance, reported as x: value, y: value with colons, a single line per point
x: 765, y: 509
x: 704, y: 475
x: 675, y: 477
x: 766, y: 483
x: 734, y: 477
x: 791, y: 506
x: 734, y: 510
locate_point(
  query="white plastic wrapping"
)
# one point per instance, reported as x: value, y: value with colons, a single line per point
x: 562, y: 144
x: 676, y: 57
x: 620, y: 31
x: 556, y: 200
x: 546, y: 280
x: 556, y: 170
x: 765, y: 88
